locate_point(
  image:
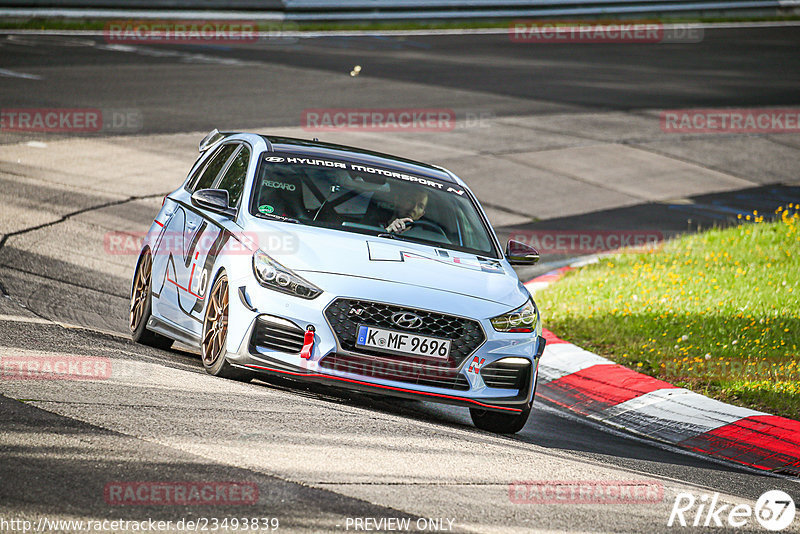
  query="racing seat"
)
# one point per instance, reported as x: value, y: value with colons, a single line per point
x: 283, y: 191
x: 379, y: 210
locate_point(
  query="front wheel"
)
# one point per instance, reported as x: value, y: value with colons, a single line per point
x: 497, y: 422
x: 215, y: 335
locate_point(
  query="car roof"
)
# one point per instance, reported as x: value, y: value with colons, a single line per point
x: 321, y: 149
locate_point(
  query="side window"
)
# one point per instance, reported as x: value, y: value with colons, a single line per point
x: 233, y: 181
x: 215, y: 164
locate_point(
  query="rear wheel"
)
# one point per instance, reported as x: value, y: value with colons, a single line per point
x: 141, y: 302
x: 215, y: 334
x: 497, y: 422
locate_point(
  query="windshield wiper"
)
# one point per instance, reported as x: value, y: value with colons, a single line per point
x: 400, y: 237
x: 277, y: 217
x: 425, y: 242
x: 390, y: 236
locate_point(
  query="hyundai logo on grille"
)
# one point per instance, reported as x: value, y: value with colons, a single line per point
x: 407, y: 320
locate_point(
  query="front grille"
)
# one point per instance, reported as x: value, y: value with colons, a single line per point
x: 465, y: 335
x: 390, y: 368
x: 505, y: 375
x: 276, y: 333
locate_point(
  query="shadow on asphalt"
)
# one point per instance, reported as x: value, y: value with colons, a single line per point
x: 48, y: 470
x: 546, y: 427
x: 662, y: 219
x: 690, y: 214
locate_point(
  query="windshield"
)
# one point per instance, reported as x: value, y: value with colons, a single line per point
x: 369, y: 200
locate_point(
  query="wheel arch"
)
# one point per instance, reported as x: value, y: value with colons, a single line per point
x: 221, y: 270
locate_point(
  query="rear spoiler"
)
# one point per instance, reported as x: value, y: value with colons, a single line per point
x: 213, y: 137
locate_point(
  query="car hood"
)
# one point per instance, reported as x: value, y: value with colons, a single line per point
x: 321, y: 250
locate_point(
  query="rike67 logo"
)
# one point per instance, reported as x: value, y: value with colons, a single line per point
x: 774, y: 510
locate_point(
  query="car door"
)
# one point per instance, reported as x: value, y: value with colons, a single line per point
x: 216, y: 232
x: 181, y: 288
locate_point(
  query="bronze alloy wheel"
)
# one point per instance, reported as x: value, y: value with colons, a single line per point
x: 215, y: 324
x: 140, y: 292
x: 215, y: 333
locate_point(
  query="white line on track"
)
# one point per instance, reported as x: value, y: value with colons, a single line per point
x: 14, y: 74
x: 23, y: 319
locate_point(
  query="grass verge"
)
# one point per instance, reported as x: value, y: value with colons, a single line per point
x: 716, y: 312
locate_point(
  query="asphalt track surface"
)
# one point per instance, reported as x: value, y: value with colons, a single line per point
x: 320, y: 456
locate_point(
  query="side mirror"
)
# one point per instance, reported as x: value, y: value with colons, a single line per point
x: 521, y: 254
x: 215, y: 200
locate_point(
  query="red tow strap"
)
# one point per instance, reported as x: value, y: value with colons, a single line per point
x: 308, y: 343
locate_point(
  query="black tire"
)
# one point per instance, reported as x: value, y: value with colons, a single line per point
x: 215, y: 334
x: 497, y: 422
x: 141, y: 306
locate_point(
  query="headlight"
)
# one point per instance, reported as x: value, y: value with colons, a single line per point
x: 523, y: 319
x: 273, y: 275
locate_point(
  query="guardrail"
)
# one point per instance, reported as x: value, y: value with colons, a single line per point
x: 301, y: 10
x: 450, y: 9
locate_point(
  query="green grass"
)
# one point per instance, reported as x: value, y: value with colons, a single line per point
x: 61, y: 23
x: 716, y: 312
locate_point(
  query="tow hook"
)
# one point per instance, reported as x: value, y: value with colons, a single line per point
x: 308, y: 342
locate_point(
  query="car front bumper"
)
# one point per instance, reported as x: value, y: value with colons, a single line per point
x: 266, y: 328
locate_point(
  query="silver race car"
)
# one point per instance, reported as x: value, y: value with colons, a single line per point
x: 328, y: 263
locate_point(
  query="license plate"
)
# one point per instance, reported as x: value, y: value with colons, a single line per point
x: 402, y: 342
